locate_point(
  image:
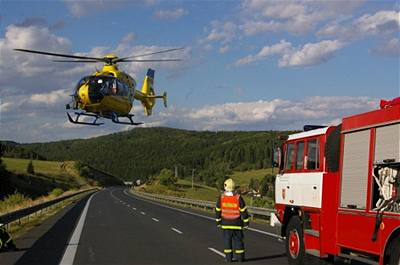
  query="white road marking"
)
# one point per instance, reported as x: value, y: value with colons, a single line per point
x: 165, y: 206
x: 156, y: 220
x: 262, y: 232
x: 134, y: 208
x: 195, y: 214
x: 70, y: 251
x: 176, y: 230
x: 217, y: 252
x: 143, y: 213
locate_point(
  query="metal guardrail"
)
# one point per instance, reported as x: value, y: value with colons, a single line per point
x: 26, y: 212
x: 259, y: 211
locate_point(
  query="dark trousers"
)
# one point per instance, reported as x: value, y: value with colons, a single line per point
x: 233, y: 243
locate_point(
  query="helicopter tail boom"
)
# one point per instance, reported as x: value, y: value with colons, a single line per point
x: 147, y: 95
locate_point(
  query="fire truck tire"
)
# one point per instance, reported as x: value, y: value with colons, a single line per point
x: 395, y: 257
x: 294, y: 241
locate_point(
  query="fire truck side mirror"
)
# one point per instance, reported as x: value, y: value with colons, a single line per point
x: 277, y: 157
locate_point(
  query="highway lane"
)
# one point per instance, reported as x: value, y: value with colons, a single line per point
x: 119, y: 228
x: 123, y: 229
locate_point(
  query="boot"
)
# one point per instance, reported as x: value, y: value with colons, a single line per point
x: 241, y: 257
x: 228, y: 257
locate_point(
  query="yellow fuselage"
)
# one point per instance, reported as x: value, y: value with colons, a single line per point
x: 119, y: 103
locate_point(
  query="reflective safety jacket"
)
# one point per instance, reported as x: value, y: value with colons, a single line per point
x: 231, y: 211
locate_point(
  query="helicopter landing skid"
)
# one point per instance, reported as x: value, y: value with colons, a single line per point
x: 115, y: 119
x: 78, y: 114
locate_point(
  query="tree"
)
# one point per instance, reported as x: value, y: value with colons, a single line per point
x: 30, y: 169
x: 167, y: 177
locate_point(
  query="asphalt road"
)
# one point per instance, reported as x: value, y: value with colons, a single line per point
x: 119, y: 228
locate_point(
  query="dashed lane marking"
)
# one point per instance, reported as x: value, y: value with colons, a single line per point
x: 217, y: 252
x: 143, y: 213
x: 155, y: 220
x: 195, y: 214
x: 176, y: 230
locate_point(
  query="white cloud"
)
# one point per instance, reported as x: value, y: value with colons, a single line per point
x: 252, y: 27
x: 381, y: 23
x: 308, y: 55
x: 54, y: 97
x: 283, y: 47
x: 224, y: 49
x: 277, y: 114
x: 79, y: 8
x: 295, y: 17
x: 312, y: 54
x: 224, y: 32
x: 171, y: 14
x: 390, y: 48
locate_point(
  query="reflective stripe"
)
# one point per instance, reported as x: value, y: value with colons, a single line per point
x: 8, y: 240
x: 218, y: 219
x: 243, y: 209
x: 217, y: 209
x: 227, y: 250
x: 1, y: 243
x: 246, y: 220
x: 239, y: 251
x: 231, y: 227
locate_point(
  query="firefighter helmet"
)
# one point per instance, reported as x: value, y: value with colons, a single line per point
x: 229, y: 185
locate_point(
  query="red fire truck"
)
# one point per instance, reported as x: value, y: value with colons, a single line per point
x: 337, y: 193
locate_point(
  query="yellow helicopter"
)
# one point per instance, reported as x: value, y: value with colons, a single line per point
x: 109, y: 93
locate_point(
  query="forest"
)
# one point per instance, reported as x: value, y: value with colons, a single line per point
x: 141, y: 153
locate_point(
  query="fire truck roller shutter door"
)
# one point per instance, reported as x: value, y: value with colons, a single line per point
x: 355, y: 170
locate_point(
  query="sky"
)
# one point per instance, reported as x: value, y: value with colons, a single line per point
x: 246, y: 65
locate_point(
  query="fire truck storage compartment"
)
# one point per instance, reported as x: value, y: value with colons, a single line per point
x: 354, y: 181
x: 386, y: 171
x: 387, y: 143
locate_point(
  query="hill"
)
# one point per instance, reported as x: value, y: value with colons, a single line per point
x: 46, y: 176
x: 143, y: 152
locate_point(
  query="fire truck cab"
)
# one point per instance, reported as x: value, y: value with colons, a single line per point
x: 338, y: 190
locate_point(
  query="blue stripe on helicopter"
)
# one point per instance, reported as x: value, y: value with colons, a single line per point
x: 150, y: 73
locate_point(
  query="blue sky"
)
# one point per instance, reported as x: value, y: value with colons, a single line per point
x: 248, y: 65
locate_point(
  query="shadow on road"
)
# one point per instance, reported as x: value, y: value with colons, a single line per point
x: 49, y: 248
x: 266, y: 257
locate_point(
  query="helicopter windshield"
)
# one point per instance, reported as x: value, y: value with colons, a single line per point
x: 106, y: 85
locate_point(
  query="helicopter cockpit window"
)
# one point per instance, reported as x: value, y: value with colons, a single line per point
x: 106, y: 85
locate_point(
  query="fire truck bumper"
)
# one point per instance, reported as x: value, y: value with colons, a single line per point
x: 276, y: 225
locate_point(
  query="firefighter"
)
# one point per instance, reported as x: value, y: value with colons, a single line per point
x: 6, y: 242
x: 232, y: 217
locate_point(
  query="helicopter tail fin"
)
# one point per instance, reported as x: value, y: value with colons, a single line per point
x: 149, y: 97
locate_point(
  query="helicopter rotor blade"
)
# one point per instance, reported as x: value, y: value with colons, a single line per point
x: 60, y: 55
x: 152, y: 53
x: 159, y: 60
x: 76, y: 61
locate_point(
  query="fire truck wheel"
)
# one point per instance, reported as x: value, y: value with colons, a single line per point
x: 395, y: 257
x: 294, y: 241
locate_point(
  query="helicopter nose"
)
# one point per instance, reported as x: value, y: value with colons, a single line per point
x: 83, y: 94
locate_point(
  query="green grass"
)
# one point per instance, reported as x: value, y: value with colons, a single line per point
x: 202, y: 192
x: 242, y: 179
x: 61, y: 171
